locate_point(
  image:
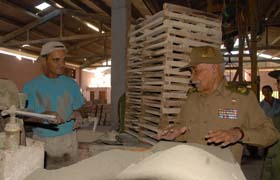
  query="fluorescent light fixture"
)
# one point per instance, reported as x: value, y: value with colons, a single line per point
x: 71, y: 64
x: 236, y: 43
x: 25, y: 45
x: 42, y: 6
x: 234, y: 52
x: 237, y: 52
x: 222, y: 47
x: 276, y: 58
x: 267, y: 56
x: 58, y: 5
x: 17, y: 54
x: 19, y: 58
x: 91, y: 26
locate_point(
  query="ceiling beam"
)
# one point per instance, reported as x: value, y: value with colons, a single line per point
x: 81, y: 44
x: 83, y: 6
x: 18, y: 25
x: 38, y: 17
x: 152, y: 5
x: 141, y: 6
x: 30, y: 26
x: 102, y: 5
x: 42, y: 41
x: 60, y: 2
x: 272, y: 7
x: 101, y: 18
x: 5, y: 3
x: 258, y: 48
x: 41, y: 36
x: 135, y: 12
x: 87, y: 9
x: 24, y: 11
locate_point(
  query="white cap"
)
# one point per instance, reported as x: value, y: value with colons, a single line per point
x: 51, y: 46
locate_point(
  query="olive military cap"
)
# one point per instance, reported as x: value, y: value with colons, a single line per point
x: 275, y: 74
x: 206, y: 55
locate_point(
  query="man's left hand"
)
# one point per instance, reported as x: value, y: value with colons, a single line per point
x: 225, y: 137
x: 78, y: 119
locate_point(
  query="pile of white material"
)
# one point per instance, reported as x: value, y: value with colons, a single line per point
x: 183, y: 162
x: 104, y: 166
x: 18, y: 164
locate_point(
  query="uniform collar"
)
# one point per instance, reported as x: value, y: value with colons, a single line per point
x: 221, y: 88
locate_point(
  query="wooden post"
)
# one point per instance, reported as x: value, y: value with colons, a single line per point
x: 253, y: 44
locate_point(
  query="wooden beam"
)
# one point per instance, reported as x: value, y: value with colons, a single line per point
x: 60, y: 2
x: 30, y: 26
x: 84, y: 57
x: 80, y: 45
x: 253, y: 45
x: 272, y: 6
x: 269, y: 47
x: 4, y: 3
x: 102, y: 5
x: 152, y: 5
x: 42, y: 41
x: 135, y: 12
x: 38, y: 17
x: 141, y: 6
x: 83, y: 6
x: 71, y: 12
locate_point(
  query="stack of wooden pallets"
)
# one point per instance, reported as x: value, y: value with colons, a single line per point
x: 163, y: 43
x: 134, y: 80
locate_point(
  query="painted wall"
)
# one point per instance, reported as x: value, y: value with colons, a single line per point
x: 87, y: 77
x: 267, y: 80
x: 18, y: 71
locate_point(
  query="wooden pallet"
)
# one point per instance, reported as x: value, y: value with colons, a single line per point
x: 159, y: 46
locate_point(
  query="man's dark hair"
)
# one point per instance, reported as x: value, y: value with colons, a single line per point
x: 267, y: 87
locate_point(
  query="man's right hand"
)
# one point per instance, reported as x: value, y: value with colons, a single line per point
x: 58, y: 119
x: 171, y: 132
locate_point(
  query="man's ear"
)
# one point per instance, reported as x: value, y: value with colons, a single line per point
x: 43, y: 61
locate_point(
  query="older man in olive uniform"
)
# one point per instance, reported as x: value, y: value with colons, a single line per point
x: 272, y: 160
x: 218, y: 113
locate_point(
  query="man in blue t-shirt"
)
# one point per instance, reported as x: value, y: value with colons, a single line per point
x: 55, y: 94
x: 270, y: 105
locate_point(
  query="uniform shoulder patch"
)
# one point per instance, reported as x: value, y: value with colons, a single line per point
x: 191, y: 91
x: 237, y: 88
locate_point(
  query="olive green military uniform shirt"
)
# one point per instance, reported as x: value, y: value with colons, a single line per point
x: 272, y: 160
x: 226, y: 108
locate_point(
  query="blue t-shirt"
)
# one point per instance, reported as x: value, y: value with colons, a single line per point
x: 271, y: 111
x: 61, y: 95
